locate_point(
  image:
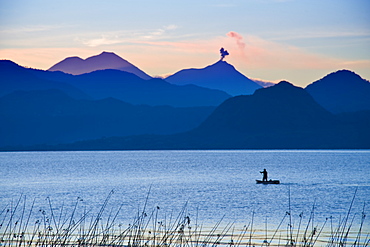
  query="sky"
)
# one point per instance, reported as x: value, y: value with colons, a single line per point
x: 295, y: 40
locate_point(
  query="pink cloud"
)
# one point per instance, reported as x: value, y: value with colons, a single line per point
x: 259, y: 53
x: 238, y: 38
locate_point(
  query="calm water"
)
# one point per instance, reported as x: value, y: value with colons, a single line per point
x: 212, y: 183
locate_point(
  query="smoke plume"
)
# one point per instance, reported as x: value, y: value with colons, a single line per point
x: 223, y: 53
x: 238, y: 38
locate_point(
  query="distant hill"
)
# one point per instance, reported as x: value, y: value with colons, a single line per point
x: 132, y: 89
x: 341, y: 91
x: 269, y: 109
x: 221, y: 75
x: 14, y: 77
x: 279, y: 117
x: 52, y: 117
x: 105, y: 60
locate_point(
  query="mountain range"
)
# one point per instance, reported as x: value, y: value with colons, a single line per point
x: 14, y: 77
x: 108, y: 83
x: 219, y: 76
x: 53, y: 117
x: 287, y: 117
x: 115, y: 109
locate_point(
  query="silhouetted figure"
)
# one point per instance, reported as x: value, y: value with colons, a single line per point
x: 223, y: 53
x: 264, y: 175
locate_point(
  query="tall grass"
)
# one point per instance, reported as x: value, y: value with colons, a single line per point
x: 151, y: 227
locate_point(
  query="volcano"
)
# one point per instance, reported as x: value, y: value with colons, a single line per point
x: 105, y: 60
x: 220, y: 75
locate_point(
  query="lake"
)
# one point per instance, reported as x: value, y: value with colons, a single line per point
x: 207, y: 185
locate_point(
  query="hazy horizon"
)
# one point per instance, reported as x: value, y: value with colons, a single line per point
x: 271, y: 40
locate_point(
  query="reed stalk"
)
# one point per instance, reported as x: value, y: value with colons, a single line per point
x: 154, y: 228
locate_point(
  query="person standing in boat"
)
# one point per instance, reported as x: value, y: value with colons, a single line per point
x: 264, y: 175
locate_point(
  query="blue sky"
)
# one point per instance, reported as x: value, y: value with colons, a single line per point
x: 296, y: 40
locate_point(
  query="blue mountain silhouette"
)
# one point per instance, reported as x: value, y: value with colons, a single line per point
x: 132, y: 89
x: 53, y: 117
x: 105, y: 60
x: 14, y: 77
x: 279, y: 117
x: 54, y: 108
x: 101, y: 84
x: 341, y: 91
x: 282, y: 107
x: 221, y: 75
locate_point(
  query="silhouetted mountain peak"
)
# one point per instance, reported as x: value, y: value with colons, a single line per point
x: 220, y: 75
x: 220, y: 67
x: 279, y: 110
x: 74, y: 58
x: 341, y: 91
x: 107, y: 57
x: 105, y: 60
x: 339, y: 78
x: 108, y: 53
x: 104, y: 55
x: 220, y: 63
x: 281, y: 89
x: 343, y: 74
x: 285, y: 84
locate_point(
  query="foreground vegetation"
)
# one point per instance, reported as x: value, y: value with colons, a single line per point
x: 22, y: 225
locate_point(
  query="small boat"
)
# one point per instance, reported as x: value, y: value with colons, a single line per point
x: 268, y: 182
